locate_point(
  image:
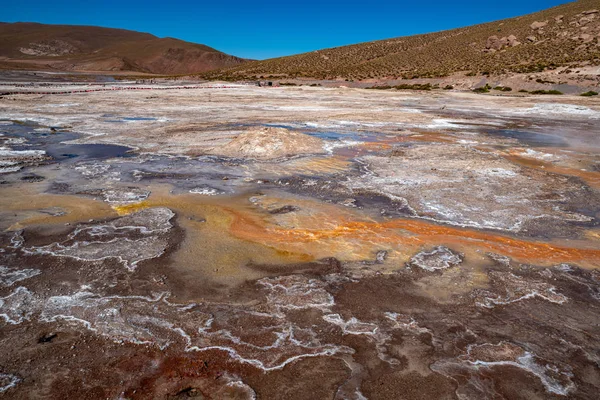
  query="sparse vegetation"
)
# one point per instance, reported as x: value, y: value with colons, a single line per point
x: 416, y: 86
x: 589, y: 94
x: 448, y: 87
x: 483, y: 89
x: 382, y: 87
x: 440, y: 54
x: 546, y: 92
x: 503, y: 88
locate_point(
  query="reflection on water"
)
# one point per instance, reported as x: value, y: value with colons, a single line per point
x: 529, y: 138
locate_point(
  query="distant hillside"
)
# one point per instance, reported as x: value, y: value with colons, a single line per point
x: 89, y: 48
x: 563, y: 35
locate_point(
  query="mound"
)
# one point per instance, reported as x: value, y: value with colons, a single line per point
x: 270, y: 143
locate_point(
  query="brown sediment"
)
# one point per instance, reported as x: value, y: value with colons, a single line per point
x: 592, y: 178
x: 316, y: 165
x: 429, y: 137
x: 29, y: 201
x: 594, y: 235
x: 385, y: 143
x: 208, y: 250
x: 376, y: 146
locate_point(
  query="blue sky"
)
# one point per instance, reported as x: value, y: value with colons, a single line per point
x: 264, y: 29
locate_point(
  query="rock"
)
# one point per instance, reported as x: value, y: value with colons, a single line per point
x: 531, y: 39
x: 381, y: 256
x: 493, y: 42
x: 128, y: 240
x: 284, y: 210
x: 585, y: 37
x: 122, y: 196
x: 589, y: 12
x: 32, y: 178
x: 439, y: 258
x: 538, y: 25
x: 350, y: 202
x: 207, y: 190
x: 47, y: 338
x: 512, y: 41
x: 559, y: 19
x: 586, y: 20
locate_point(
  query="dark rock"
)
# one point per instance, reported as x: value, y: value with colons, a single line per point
x: 32, y: 178
x: 189, y: 392
x: 47, y: 338
x: 284, y: 210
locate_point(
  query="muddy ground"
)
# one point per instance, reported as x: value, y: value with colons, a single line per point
x: 298, y: 243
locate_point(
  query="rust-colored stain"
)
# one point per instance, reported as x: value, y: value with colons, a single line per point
x: 413, y: 233
x: 376, y: 146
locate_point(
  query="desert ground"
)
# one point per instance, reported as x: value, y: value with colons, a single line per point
x: 229, y: 241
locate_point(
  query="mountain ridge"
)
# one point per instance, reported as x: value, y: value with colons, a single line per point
x: 31, y: 45
x: 527, y: 43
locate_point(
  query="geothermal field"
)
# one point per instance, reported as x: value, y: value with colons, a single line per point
x: 229, y: 241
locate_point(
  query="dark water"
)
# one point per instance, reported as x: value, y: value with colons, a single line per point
x: 62, y: 151
x: 337, y: 135
x: 55, y: 143
x: 118, y: 119
x: 139, y: 119
x: 532, y: 139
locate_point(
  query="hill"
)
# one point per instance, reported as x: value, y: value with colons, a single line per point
x: 559, y: 36
x: 90, y: 48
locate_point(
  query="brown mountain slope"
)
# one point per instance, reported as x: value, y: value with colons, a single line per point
x: 558, y: 36
x: 89, y: 48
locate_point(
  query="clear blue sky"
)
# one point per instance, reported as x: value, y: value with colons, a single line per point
x: 263, y: 29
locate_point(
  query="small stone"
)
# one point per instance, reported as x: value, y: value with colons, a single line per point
x: 381, y: 256
x: 439, y: 258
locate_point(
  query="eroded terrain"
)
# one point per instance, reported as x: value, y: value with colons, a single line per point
x: 298, y: 243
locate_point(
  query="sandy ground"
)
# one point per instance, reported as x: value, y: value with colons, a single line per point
x: 298, y: 243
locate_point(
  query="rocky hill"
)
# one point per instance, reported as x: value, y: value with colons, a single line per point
x: 88, y: 48
x: 565, y: 35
